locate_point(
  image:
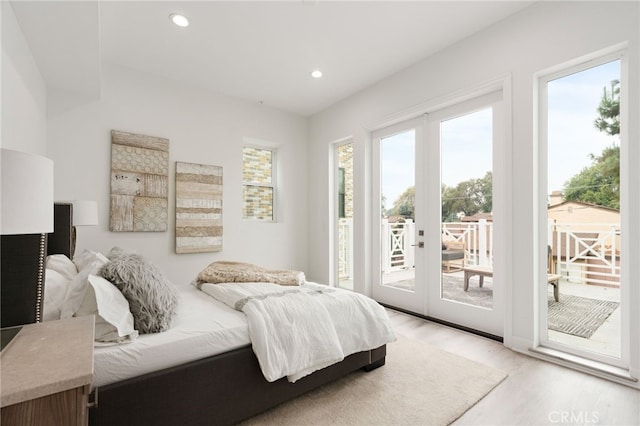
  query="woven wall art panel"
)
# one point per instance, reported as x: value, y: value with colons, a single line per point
x: 139, y: 183
x: 198, y: 208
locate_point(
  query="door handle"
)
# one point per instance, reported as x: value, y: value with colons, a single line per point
x: 420, y: 244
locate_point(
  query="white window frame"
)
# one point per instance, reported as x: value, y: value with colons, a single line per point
x: 573, y: 355
x: 334, y: 241
x: 272, y: 185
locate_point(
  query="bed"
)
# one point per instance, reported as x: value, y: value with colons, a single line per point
x: 225, y: 387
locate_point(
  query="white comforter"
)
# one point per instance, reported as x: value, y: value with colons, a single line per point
x: 297, y: 330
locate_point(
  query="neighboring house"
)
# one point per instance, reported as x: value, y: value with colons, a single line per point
x: 396, y: 219
x: 568, y: 212
x: 583, y: 213
x: 587, y: 220
x: 478, y: 217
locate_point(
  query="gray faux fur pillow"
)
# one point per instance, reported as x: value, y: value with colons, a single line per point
x: 153, y: 300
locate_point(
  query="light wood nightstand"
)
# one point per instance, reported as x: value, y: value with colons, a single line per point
x: 46, y: 373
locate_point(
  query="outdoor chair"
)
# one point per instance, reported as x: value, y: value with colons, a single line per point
x: 453, y: 251
x: 552, y: 277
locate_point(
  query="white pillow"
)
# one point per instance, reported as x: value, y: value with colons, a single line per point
x: 114, y: 322
x: 63, y: 265
x: 87, y: 258
x: 55, y: 288
x: 89, y: 263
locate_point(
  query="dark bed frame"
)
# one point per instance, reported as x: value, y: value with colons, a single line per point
x: 218, y: 390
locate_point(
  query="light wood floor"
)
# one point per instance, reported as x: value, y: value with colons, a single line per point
x: 535, y: 392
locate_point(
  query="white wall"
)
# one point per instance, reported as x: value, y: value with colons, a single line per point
x: 202, y: 127
x: 24, y: 123
x: 541, y: 36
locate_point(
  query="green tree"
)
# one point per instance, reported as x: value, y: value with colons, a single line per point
x: 608, y: 120
x: 599, y: 183
x: 469, y: 197
x: 405, y: 204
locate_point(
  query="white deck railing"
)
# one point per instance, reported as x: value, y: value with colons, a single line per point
x: 398, y: 251
x: 582, y: 253
x: 585, y: 253
x: 345, y: 248
x: 477, y: 238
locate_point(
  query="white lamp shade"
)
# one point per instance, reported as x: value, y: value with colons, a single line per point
x: 85, y: 212
x: 27, y: 193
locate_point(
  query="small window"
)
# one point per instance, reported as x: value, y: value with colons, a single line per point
x: 258, y: 178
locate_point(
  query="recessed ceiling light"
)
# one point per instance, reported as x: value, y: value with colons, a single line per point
x: 179, y: 20
x: 316, y: 74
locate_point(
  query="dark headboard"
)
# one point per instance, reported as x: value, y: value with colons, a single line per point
x: 22, y: 267
x: 22, y: 273
x: 62, y: 239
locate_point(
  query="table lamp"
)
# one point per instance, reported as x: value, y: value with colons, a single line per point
x: 26, y: 218
x: 85, y: 213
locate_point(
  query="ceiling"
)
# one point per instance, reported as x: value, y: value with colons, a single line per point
x: 260, y: 51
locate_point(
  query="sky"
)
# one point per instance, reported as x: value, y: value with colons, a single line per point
x: 466, y: 140
x: 573, y: 103
x: 398, y: 165
x: 466, y: 154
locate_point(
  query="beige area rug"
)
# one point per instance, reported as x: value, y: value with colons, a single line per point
x: 419, y: 385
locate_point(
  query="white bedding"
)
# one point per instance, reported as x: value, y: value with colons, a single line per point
x: 297, y: 330
x: 203, y: 327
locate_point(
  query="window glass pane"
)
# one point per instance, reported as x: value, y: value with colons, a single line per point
x: 467, y: 208
x: 345, y: 215
x: 341, y: 192
x: 257, y: 165
x: 583, y: 211
x: 398, y: 183
x: 258, y: 190
x: 258, y: 202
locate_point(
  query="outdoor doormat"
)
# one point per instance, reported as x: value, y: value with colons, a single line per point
x: 578, y: 316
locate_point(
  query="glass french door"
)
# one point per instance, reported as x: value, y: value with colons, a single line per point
x: 434, y: 206
x: 397, y: 234
x: 464, y: 272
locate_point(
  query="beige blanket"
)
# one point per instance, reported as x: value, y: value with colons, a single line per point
x: 237, y: 272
